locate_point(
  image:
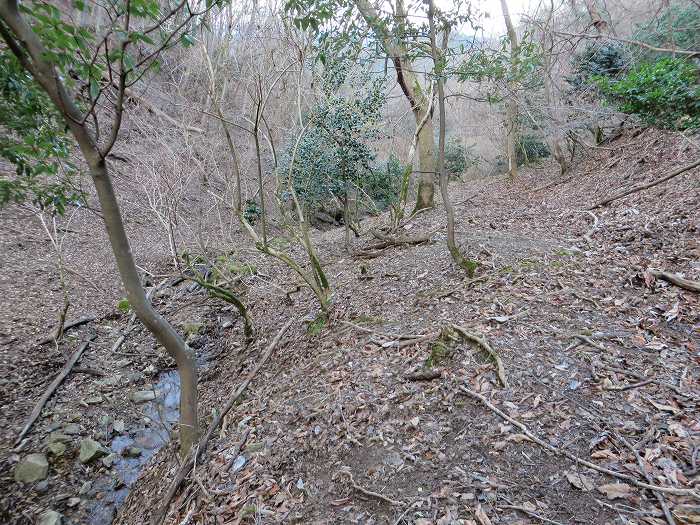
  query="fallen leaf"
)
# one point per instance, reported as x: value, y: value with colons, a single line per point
x: 616, y: 490
x: 481, y: 515
x: 580, y: 481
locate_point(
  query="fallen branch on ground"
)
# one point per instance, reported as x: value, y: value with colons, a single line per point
x: 424, y: 375
x: 559, y: 452
x: 52, y: 387
x: 641, y: 187
x: 66, y: 326
x: 366, y: 492
x: 588, y: 235
x: 500, y: 370
x: 658, y: 495
x: 198, y: 451
x: 686, y: 284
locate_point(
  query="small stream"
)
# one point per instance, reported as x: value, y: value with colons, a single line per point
x: 108, y: 492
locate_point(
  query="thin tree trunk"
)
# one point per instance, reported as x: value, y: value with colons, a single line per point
x: 438, y: 67
x: 32, y: 57
x: 511, y: 105
x: 411, y: 88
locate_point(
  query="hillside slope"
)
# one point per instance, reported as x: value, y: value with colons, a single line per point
x: 340, y: 429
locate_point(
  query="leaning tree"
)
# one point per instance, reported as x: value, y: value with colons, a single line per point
x: 88, y: 73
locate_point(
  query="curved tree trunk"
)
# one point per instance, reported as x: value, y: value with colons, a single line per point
x: 31, y: 54
x: 420, y: 105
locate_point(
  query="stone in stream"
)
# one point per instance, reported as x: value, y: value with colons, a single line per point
x: 72, y: 429
x: 59, y: 437
x: 91, y: 450
x: 34, y: 467
x: 131, y: 452
x: 140, y: 396
x: 119, y: 426
x: 57, y: 448
x: 50, y: 517
x: 110, y: 460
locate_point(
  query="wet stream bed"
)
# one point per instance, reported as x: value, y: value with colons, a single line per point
x: 133, y: 448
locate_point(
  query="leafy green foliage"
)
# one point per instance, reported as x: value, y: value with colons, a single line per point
x: 334, y: 151
x: 252, y: 211
x: 530, y: 148
x: 33, y: 140
x: 458, y: 158
x: 598, y: 60
x: 124, y: 306
x: 678, y: 27
x: 383, y: 185
x: 664, y: 93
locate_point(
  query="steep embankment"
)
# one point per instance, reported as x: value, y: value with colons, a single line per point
x: 339, y: 428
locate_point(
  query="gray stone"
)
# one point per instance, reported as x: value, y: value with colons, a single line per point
x: 72, y: 429
x: 122, y: 363
x: 91, y: 450
x: 140, y: 396
x: 119, y: 425
x: 109, y: 381
x: 85, y: 488
x: 131, y: 452
x: 94, y: 400
x: 57, y: 448
x: 50, y: 517
x: 110, y: 460
x: 59, y: 437
x: 106, y: 420
x: 42, y: 487
x: 34, y: 467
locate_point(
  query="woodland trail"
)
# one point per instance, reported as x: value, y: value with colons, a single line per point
x: 344, y: 425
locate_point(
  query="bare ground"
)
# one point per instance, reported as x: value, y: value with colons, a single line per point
x: 335, y: 399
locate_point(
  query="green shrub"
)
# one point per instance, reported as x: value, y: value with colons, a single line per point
x: 609, y: 59
x: 678, y: 27
x: 530, y: 148
x: 383, y: 184
x: 34, y: 141
x: 252, y: 211
x: 664, y: 93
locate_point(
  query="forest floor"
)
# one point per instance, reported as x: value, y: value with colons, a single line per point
x: 602, y: 361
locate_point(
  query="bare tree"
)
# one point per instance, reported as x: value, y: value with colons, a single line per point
x: 511, y: 104
x: 439, y: 63
x: 396, y: 49
x: 26, y: 45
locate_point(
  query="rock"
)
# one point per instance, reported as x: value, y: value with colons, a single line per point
x: 94, y: 400
x: 73, y: 502
x: 131, y: 452
x: 119, y: 426
x: 106, y: 420
x: 72, y: 429
x: 109, y: 381
x: 85, y: 488
x: 59, y: 437
x: 50, y: 517
x: 42, y: 487
x: 57, y: 448
x: 140, y: 396
x: 91, y: 450
x: 122, y: 363
x: 34, y: 467
x: 110, y: 460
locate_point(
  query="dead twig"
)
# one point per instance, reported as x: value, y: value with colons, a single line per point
x: 52, y: 387
x: 500, y: 370
x: 198, y: 451
x: 658, y: 495
x: 559, y: 452
x: 632, y: 386
x: 686, y: 284
x: 651, y: 184
x: 70, y: 324
x: 366, y: 492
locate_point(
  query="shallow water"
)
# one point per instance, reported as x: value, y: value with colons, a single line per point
x: 109, y: 492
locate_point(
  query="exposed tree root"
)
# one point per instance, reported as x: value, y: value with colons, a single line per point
x: 481, y: 341
x: 197, y: 452
x: 559, y: 452
x: 686, y: 284
x: 370, y: 493
x: 651, y: 184
x: 52, y: 387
